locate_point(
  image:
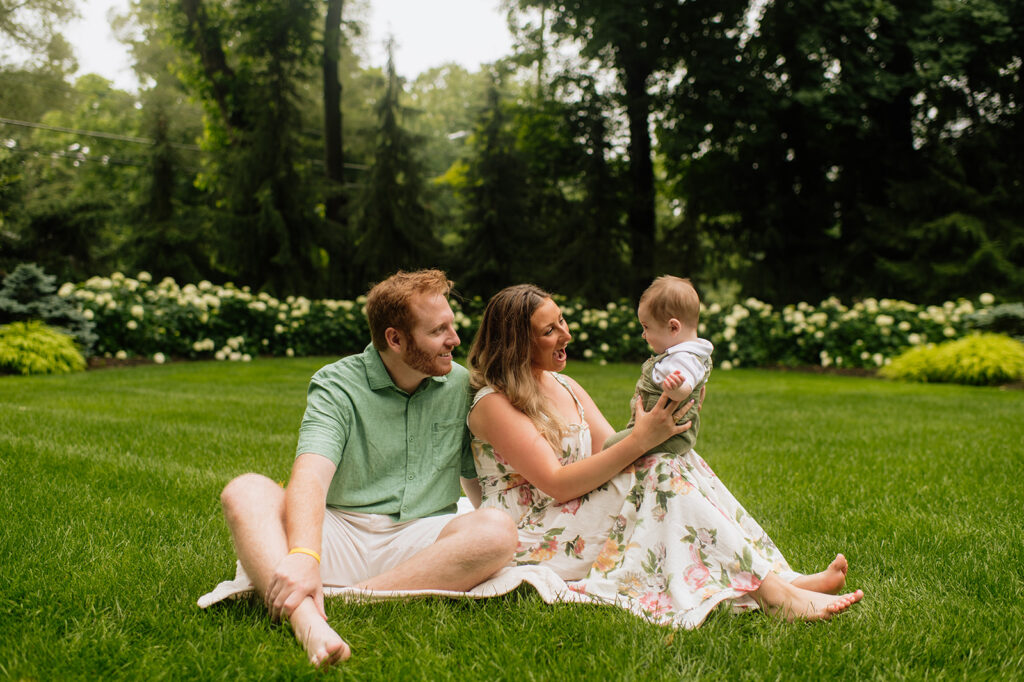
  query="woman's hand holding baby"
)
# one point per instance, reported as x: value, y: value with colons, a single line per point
x: 658, y: 425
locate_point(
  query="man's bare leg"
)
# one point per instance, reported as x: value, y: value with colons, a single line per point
x: 470, y: 549
x: 829, y: 581
x: 254, y: 510
x: 787, y: 601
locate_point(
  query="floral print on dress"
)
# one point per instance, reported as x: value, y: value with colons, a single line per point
x: 666, y: 541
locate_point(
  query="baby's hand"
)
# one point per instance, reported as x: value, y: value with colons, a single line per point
x: 673, y: 381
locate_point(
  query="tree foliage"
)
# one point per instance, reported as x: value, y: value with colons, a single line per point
x: 394, y: 225
x: 848, y: 139
x: 785, y: 150
x: 246, y: 62
x: 32, y: 24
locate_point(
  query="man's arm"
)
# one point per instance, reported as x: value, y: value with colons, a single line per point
x: 297, y: 576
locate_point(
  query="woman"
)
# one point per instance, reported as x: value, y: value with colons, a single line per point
x: 660, y: 536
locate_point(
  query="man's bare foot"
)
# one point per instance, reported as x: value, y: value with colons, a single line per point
x: 322, y: 644
x: 829, y: 581
x: 787, y: 601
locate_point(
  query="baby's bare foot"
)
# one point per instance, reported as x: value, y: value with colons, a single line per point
x: 829, y: 581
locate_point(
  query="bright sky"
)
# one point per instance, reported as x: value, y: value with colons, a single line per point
x: 427, y: 33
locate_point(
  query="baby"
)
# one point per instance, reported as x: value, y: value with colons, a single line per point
x: 669, y: 311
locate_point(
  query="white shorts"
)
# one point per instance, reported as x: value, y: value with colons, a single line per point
x: 357, y: 546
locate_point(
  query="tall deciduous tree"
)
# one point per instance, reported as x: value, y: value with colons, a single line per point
x: 32, y: 24
x: 75, y: 187
x: 637, y: 41
x: 847, y: 138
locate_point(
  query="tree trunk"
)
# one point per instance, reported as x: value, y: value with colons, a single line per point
x: 641, y: 221
x: 206, y: 42
x: 334, y: 153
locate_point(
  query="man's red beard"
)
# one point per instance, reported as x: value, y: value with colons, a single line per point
x: 422, y: 361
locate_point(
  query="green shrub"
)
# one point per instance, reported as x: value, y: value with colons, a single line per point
x: 28, y: 293
x: 1007, y: 318
x: 142, y: 318
x: 34, y: 348
x: 981, y: 360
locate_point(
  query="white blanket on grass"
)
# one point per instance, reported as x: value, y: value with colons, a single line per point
x: 551, y: 588
x: 547, y: 583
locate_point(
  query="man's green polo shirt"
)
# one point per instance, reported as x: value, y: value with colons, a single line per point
x: 397, y: 454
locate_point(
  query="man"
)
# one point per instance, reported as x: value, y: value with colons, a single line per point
x: 373, y: 488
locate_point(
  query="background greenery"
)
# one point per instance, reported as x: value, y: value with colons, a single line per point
x: 112, y: 529
x: 783, y: 150
x: 135, y: 316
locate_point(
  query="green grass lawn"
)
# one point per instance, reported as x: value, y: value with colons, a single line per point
x: 110, y: 528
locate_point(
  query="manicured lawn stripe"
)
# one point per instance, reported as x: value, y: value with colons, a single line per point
x: 111, y: 530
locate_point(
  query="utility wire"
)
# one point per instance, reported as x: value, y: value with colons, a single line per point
x: 96, y: 133
x: 134, y: 140
x: 78, y: 158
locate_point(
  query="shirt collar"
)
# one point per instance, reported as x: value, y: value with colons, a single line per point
x: 377, y: 373
x: 700, y: 345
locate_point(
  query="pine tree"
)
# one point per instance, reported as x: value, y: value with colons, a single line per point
x: 394, y: 224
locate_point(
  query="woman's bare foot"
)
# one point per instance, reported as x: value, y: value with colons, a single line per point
x: 323, y: 645
x: 787, y: 601
x: 829, y: 581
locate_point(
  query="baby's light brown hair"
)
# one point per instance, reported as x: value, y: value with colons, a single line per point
x: 669, y: 297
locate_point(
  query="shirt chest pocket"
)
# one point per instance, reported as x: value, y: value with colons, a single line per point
x: 446, y: 442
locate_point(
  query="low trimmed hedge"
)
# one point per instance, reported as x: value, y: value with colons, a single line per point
x: 139, y: 317
x: 978, y: 359
x: 34, y: 348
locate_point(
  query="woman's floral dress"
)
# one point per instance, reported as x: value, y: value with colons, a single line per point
x: 667, y: 542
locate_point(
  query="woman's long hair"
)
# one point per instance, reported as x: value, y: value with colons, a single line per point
x: 500, y: 357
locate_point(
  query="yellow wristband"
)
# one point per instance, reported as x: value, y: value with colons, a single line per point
x: 303, y: 550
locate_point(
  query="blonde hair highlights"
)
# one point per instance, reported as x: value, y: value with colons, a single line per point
x: 500, y: 357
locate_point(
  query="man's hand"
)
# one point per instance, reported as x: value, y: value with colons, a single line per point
x: 296, y: 577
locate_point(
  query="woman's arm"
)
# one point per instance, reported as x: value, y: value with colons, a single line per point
x: 471, y: 486
x: 513, y: 435
x: 601, y: 430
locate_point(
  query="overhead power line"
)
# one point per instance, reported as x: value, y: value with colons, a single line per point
x: 95, y: 133
x: 63, y: 155
x: 131, y: 139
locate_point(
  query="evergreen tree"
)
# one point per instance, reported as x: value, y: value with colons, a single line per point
x: 394, y: 224
x: 494, y: 188
x: 28, y: 293
x: 247, y: 63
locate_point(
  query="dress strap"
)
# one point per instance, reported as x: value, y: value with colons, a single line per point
x: 565, y: 383
x: 483, y: 392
